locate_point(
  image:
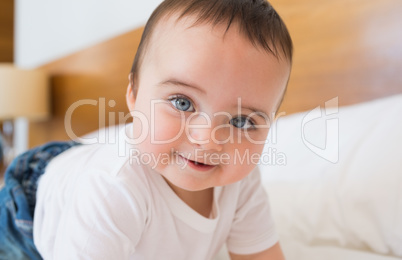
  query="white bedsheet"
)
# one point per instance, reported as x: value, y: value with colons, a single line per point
x: 296, y: 250
x: 350, y: 209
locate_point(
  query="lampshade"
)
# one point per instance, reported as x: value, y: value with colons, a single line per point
x: 23, y: 93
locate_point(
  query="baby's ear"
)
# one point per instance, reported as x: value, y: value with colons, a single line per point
x: 130, y: 98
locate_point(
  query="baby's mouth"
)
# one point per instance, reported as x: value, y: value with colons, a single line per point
x: 197, y: 165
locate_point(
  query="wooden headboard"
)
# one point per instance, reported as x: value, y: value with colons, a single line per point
x: 350, y: 49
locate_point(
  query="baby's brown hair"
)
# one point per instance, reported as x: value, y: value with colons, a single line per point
x: 257, y: 21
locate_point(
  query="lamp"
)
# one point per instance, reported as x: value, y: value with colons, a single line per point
x: 24, y: 95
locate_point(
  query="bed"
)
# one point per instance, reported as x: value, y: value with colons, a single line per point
x: 332, y: 164
x: 338, y: 192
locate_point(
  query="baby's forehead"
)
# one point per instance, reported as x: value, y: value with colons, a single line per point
x: 175, y: 23
x: 179, y: 25
x: 219, y: 61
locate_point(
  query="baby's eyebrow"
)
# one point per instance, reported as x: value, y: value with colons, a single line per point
x: 257, y: 112
x: 181, y: 83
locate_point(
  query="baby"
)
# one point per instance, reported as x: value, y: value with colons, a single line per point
x: 182, y: 180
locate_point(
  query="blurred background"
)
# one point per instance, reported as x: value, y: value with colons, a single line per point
x: 34, y: 33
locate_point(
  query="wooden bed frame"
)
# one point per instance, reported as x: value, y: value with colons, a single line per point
x: 350, y: 49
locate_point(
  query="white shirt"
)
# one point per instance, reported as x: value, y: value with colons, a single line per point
x: 94, y: 204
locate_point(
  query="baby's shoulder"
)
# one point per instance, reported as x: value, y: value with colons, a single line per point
x: 93, y: 168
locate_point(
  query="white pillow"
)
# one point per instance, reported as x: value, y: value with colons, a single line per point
x: 355, y: 201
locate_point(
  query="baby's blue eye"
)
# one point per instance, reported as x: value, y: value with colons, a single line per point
x: 182, y: 104
x: 242, y: 122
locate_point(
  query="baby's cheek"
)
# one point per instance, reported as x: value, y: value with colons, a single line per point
x: 166, y: 128
x: 140, y: 129
x: 245, y: 154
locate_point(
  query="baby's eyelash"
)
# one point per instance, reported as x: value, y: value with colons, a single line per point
x: 247, y: 120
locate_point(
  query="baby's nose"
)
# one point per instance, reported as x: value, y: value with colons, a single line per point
x: 200, y: 131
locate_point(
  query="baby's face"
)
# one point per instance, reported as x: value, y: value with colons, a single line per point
x: 208, y: 98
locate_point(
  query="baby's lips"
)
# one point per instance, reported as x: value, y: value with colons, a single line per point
x: 196, y: 161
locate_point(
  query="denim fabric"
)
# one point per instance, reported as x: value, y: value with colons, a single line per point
x: 18, y: 198
x: 1, y: 148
